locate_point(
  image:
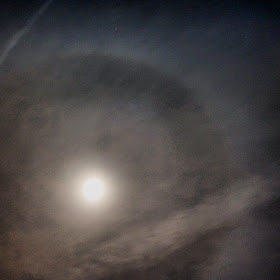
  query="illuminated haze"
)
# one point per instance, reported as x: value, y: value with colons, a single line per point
x: 174, y: 112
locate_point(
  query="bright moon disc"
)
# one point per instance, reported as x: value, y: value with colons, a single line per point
x: 93, y: 189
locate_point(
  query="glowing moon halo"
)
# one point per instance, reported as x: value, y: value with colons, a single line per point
x: 93, y: 189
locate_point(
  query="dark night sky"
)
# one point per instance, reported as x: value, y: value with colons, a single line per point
x: 175, y: 104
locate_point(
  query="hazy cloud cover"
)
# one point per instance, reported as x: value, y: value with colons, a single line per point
x: 176, y: 111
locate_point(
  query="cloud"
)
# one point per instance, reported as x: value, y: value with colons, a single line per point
x: 179, y: 184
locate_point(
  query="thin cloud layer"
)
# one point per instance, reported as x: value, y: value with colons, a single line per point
x: 178, y: 141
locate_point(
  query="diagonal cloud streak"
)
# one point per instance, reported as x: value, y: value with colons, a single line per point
x: 16, y: 38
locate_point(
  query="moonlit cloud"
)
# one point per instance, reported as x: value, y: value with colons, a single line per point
x: 170, y: 114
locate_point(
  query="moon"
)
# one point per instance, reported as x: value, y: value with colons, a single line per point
x: 93, y: 189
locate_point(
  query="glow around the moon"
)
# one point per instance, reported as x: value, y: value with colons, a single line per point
x: 93, y: 189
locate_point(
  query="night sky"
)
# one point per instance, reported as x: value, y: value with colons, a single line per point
x: 175, y: 105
